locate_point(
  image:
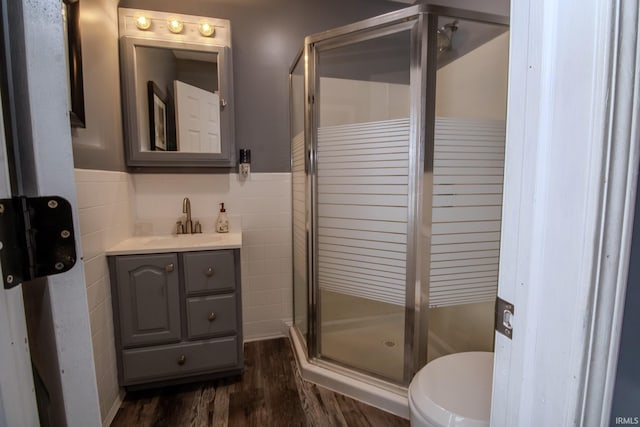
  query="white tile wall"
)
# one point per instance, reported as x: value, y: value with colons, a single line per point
x: 116, y: 205
x: 260, y: 205
x: 105, y: 206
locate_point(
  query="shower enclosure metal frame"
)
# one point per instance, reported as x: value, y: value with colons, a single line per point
x: 422, y: 21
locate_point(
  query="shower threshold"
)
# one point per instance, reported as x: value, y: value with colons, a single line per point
x: 372, y: 391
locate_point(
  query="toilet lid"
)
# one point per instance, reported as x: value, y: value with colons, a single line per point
x: 455, y: 390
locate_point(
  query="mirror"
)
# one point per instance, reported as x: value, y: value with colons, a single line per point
x: 177, y: 103
x: 178, y: 99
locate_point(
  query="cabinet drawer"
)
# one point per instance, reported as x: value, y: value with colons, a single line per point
x: 213, y: 315
x: 157, y: 363
x: 209, y: 271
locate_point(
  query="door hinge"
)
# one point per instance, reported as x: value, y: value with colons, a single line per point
x: 36, y: 238
x: 504, y: 317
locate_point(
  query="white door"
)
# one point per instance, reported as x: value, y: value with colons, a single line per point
x: 17, y: 396
x: 570, y: 177
x: 197, y: 119
x: 55, y: 307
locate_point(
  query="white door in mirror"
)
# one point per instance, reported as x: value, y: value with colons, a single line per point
x: 198, y: 119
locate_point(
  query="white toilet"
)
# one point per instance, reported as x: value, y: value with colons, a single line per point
x: 453, y: 391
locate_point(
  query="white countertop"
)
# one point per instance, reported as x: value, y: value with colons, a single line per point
x: 177, y: 243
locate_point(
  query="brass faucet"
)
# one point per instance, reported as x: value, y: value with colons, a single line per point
x: 188, y: 227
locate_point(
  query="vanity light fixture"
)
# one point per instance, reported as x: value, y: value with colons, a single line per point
x: 175, y: 25
x: 206, y: 29
x: 142, y: 22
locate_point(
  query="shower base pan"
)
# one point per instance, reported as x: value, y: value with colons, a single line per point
x: 380, y: 394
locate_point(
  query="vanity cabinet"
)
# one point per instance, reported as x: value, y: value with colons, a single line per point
x: 177, y: 316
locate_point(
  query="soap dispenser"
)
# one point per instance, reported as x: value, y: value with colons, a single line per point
x: 222, y: 223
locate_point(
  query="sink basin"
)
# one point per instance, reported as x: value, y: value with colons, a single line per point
x: 177, y: 243
x: 189, y: 240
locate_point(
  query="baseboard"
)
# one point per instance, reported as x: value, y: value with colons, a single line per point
x: 111, y: 415
x: 285, y: 327
x: 264, y: 337
x: 282, y: 333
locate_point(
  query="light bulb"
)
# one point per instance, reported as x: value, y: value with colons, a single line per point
x: 175, y: 25
x: 142, y: 22
x: 206, y: 29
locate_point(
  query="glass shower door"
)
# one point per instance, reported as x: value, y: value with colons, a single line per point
x: 361, y: 129
x: 466, y: 203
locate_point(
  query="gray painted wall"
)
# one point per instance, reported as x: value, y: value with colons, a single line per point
x: 198, y: 73
x: 158, y: 66
x: 266, y: 36
x: 626, y: 397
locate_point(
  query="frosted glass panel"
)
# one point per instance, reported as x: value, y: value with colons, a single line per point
x: 466, y: 213
x: 362, y: 167
x: 362, y: 235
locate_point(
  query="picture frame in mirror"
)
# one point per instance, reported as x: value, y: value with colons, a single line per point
x: 73, y: 51
x: 157, y: 118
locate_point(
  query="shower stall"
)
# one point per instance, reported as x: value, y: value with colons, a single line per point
x: 397, y: 152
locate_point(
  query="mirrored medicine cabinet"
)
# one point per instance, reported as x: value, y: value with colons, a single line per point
x: 176, y: 74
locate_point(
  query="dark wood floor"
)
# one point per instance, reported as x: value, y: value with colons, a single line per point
x: 270, y: 393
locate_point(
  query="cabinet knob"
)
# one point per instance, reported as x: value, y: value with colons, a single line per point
x: 169, y: 268
x: 212, y: 316
x: 182, y: 359
x: 209, y: 272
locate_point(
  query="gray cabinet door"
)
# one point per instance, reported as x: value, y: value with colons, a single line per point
x: 148, y: 298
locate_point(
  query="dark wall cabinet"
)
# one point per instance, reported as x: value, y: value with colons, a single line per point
x: 177, y: 316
